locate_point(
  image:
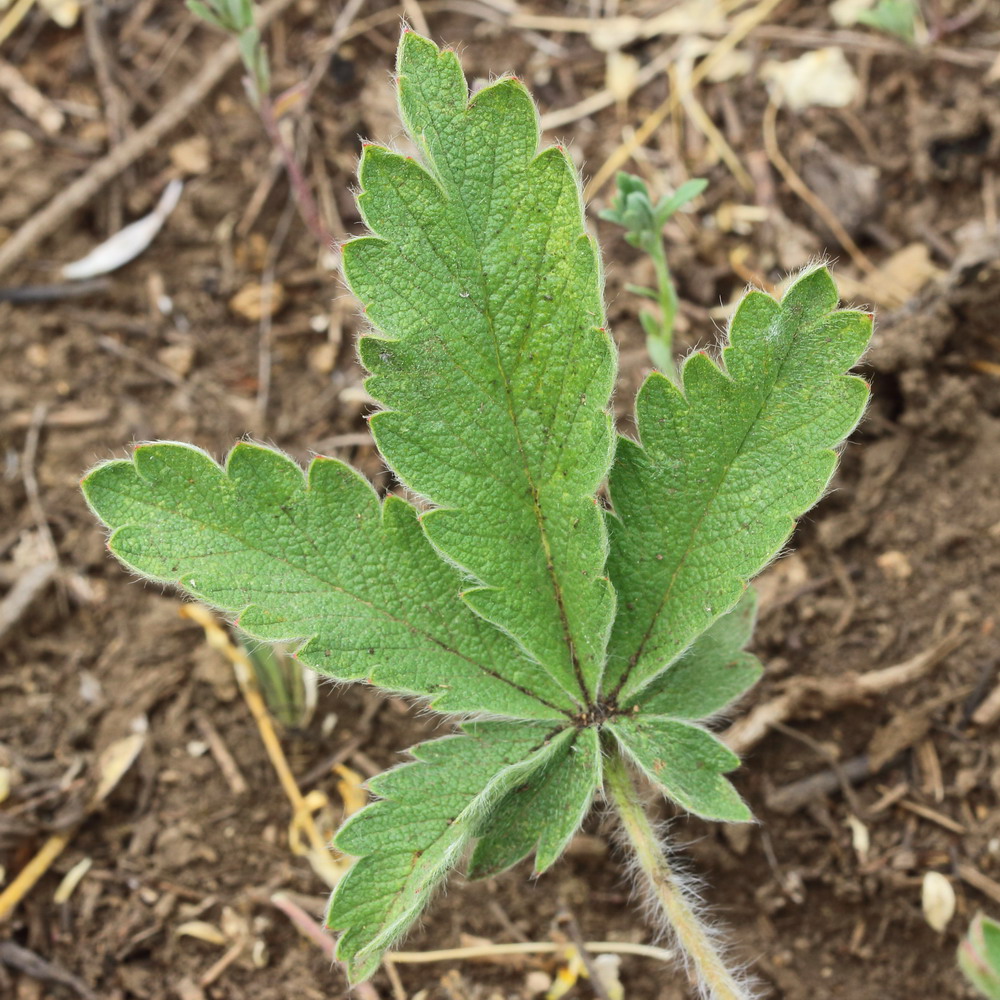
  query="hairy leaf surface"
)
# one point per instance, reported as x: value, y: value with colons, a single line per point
x: 429, y: 811
x: 686, y: 762
x: 714, y: 671
x: 317, y: 559
x: 492, y: 363
x: 542, y: 813
x: 726, y: 462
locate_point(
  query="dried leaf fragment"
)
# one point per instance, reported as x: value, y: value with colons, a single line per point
x: 255, y: 300
x: 192, y: 156
x: 127, y: 243
x: 203, y: 931
x: 822, y: 78
x: 938, y: 900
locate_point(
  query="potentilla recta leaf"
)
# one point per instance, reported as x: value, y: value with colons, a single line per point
x: 726, y: 462
x: 542, y: 813
x: 491, y: 361
x: 687, y: 763
x: 318, y: 559
x: 428, y: 813
x: 714, y: 671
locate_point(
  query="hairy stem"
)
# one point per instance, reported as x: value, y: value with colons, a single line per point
x: 714, y: 977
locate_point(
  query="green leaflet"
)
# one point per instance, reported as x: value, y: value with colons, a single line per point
x: 542, y: 813
x: 429, y: 811
x: 492, y: 364
x: 711, y: 674
x: 979, y: 956
x: 725, y: 465
x: 319, y: 560
x: 686, y: 762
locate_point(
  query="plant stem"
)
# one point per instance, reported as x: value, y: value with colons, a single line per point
x: 668, y: 294
x: 718, y: 982
x: 301, y: 191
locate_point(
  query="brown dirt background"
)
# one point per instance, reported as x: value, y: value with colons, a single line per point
x: 905, y: 548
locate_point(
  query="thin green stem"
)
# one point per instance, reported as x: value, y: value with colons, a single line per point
x: 668, y: 294
x: 716, y: 979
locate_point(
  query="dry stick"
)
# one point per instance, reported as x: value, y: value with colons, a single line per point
x: 114, y: 110
x: 30, y: 101
x: 14, y: 17
x: 744, y: 24
x: 343, y: 28
x: 42, y: 969
x: 566, y: 920
x: 671, y: 899
x: 480, y: 951
x: 974, y: 877
x: 28, y: 457
x: 30, y: 874
x: 811, y: 693
x: 217, y: 747
x: 302, y: 192
x: 137, y: 144
x: 989, y: 711
x: 799, y: 186
x: 416, y: 16
x: 302, y: 818
x: 267, y: 282
x: 18, y: 599
x: 313, y: 932
x: 604, y: 98
x: 33, y: 871
x: 703, y: 122
x: 398, y: 990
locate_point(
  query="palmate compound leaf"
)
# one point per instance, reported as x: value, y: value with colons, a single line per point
x: 316, y: 559
x: 656, y: 730
x: 492, y: 362
x: 495, y: 374
x: 432, y: 809
x: 727, y: 461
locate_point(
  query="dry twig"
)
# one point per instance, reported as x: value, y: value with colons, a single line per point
x: 140, y: 142
x: 500, y: 951
x: 29, y: 100
x: 742, y: 26
x: 319, y: 855
x: 799, y: 186
x: 218, y: 749
x: 812, y: 695
x: 27, y: 587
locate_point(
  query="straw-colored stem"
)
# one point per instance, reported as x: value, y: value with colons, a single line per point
x: 717, y: 981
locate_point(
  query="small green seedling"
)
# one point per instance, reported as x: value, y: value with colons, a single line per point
x: 288, y: 687
x: 979, y: 956
x: 236, y: 17
x: 573, y: 643
x: 633, y: 208
x: 893, y: 17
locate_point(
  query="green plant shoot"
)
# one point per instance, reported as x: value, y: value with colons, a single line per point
x: 236, y: 17
x: 575, y: 647
x: 979, y: 956
x: 288, y: 687
x: 643, y: 221
x: 893, y: 17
